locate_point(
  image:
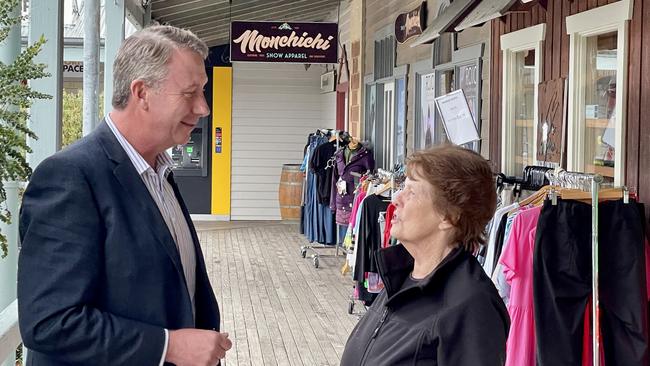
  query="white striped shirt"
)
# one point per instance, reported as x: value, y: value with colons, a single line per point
x: 163, y: 194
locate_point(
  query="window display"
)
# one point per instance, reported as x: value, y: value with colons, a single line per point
x: 600, y: 104
x: 524, y: 109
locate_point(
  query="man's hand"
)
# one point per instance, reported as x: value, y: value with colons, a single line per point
x: 196, y: 347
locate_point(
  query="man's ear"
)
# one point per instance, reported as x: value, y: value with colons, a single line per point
x: 140, y: 94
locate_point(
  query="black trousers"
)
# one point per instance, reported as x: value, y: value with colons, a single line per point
x: 562, y: 282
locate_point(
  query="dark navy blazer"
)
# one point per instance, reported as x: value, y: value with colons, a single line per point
x: 99, y: 275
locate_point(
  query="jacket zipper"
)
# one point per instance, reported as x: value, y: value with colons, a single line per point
x: 374, y: 335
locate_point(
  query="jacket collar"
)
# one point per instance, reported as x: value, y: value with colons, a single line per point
x: 137, y: 192
x: 362, y: 152
x: 396, y: 264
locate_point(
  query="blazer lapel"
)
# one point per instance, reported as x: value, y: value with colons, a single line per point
x: 137, y: 195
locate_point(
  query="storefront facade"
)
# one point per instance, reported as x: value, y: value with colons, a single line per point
x: 514, y: 65
x: 589, y: 57
x: 403, y: 76
x: 262, y: 115
x: 557, y: 83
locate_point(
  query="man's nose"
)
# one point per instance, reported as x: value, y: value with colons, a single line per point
x: 201, y: 108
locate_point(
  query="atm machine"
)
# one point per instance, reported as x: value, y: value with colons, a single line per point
x: 191, y: 168
x: 202, y: 166
x: 191, y: 159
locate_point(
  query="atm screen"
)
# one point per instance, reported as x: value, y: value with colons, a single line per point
x: 188, y: 155
x: 190, y: 158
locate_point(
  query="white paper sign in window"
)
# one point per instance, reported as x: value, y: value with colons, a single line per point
x: 457, y: 118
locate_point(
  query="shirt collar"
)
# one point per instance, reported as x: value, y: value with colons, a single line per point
x: 164, y: 162
x: 395, y: 264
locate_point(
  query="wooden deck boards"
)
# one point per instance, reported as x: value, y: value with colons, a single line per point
x: 277, y: 308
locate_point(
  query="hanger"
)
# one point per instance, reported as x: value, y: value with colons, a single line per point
x: 577, y: 186
x: 605, y: 194
x: 537, y: 198
x: 384, y: 189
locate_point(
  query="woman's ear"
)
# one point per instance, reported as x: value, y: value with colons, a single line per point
x: 446, y: 223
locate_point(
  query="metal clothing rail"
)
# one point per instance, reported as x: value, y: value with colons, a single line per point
x: 313, y: 248
x: 595, y: 305
x: 586, y: 182
x: 315, y: 256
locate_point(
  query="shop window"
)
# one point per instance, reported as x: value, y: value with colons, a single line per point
x: 521, y: 75
x: 370, y: 113
x: 384, y: 53
x: 425, y: 114
x: 468, y: 78
x: 400, y: 121
x: 463, y: 72
x: 445, y: 83
x: 524, y: 102
x: 386, y: 127
x: 597, y: 74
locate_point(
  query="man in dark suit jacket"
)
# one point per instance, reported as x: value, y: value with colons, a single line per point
x: 110, y: 269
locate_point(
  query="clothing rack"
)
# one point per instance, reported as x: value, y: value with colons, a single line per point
x: 533, y: 178
x: 592, y: 183
x: 313, y: 248
x: 394, y: 179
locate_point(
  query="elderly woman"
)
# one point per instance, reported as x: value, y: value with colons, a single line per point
x: 438, y: 306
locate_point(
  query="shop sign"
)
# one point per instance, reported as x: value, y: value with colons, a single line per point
x: 410, y: 24
x: 311, y: 43
x: 73, y: 69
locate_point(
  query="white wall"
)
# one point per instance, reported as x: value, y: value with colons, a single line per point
x: 275, y: 107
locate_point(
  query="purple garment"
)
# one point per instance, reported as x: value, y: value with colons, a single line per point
x: 360, y: 163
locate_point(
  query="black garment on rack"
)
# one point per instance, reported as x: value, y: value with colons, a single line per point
x: 369, y: 243
x: 318, y: 164
x: 562, y: 275
x: 498, y: 243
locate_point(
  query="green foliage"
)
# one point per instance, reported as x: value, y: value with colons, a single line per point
x: 73, y: 116
x: 15, y: 99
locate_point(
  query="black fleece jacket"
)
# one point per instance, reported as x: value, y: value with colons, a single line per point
x: 453, y: 317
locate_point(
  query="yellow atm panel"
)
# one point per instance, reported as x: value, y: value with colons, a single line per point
x: 221, y: 141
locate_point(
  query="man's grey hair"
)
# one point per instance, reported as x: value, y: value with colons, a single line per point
x: 145, y: 55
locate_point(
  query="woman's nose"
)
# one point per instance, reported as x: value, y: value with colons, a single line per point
x: 397, y: 199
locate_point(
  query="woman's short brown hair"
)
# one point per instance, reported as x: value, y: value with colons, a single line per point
x: 463, y: 189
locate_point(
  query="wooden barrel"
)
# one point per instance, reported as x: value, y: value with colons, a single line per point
x: 290, y: 192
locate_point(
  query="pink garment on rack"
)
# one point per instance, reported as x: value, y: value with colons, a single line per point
x: 517, y: 261
x: 355, y: 207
